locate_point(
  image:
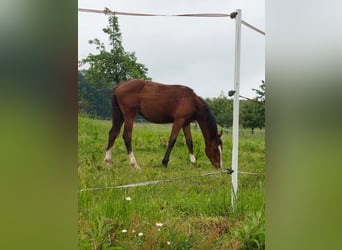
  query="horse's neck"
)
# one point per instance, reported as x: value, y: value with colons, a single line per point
x: 206, y: 122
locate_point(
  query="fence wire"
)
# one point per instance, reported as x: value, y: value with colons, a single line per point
x: 146, y: 183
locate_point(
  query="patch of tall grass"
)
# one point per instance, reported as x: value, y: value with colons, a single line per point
x: 188, y: 214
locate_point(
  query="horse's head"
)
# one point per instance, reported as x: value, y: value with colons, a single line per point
x: 214, y: 151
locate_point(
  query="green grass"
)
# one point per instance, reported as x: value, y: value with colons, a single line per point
x: 195, y: 213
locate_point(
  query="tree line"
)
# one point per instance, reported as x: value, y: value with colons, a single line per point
x: 251, y: 112
x: 99, y: 73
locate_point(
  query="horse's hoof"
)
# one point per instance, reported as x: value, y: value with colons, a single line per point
x: 164, y: 164
x: 135, y: 166
x: 192, y: 158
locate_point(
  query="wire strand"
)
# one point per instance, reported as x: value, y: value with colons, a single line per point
x: 146, y: 14
x: 252, y: 27
x: 146, y: 183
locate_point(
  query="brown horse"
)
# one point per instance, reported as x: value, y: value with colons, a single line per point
x: 161, y: 103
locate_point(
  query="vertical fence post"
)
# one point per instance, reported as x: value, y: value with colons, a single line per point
x: 235, y: 138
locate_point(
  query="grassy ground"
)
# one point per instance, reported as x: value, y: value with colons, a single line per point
x: 188, y: 214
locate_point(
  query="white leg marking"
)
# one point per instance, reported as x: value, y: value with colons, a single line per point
x: 220, y: 149
x: 192, y: 158
x: 132, y: 161
x: 108, y: 156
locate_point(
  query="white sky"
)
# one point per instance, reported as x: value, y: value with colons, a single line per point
x: 193, y: 51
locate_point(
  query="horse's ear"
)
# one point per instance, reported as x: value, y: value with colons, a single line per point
x: 220, y: 134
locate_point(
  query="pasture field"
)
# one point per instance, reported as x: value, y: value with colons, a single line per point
x: 193, y: 213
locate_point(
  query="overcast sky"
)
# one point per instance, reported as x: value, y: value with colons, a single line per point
x: 193, y: 51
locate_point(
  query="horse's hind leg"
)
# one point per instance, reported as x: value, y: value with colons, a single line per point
x: 188, y: 139
x: 113, y: 133
x: 174, y: 133
x: 127, y: 136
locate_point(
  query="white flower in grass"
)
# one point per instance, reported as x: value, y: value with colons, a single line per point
x: 128, y: 198
x: 124, y: 231
x: 169, y: 243
x: 158, y: 224
x: 140, y: 234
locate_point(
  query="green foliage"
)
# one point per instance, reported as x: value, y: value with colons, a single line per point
x: 95, y: 102
x: 253, y: 112
x: 104, y: 70
x: 261, y: 92
x: 108, y: 68
x: 195, y: 213
x: 252, y: 115
x: 251, y: 235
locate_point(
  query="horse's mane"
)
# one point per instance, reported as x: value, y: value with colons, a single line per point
x: 209, y: 118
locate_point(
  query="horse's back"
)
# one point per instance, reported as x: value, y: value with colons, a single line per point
x: 149, y: 87
x: 157, y: 102
x: 131, y: 86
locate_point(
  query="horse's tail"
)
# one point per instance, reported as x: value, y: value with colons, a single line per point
x: 117, y: 120
x: 117, y: 117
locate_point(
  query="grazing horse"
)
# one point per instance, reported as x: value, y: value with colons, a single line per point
x: 161, y: 103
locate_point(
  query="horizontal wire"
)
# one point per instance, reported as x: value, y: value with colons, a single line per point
x: 232, y: 15
x: 145, y: 14
x: 140, y: 184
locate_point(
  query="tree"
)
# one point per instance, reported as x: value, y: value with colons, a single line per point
x: 93, y: 101
x: 107, y: 68
x: 261, y: 92
x: 253, y: 112
x: 104, y: 70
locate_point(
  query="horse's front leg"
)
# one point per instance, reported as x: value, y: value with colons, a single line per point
x: 127, y: 136
x: 188, y: 139
x: 174, y: 133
